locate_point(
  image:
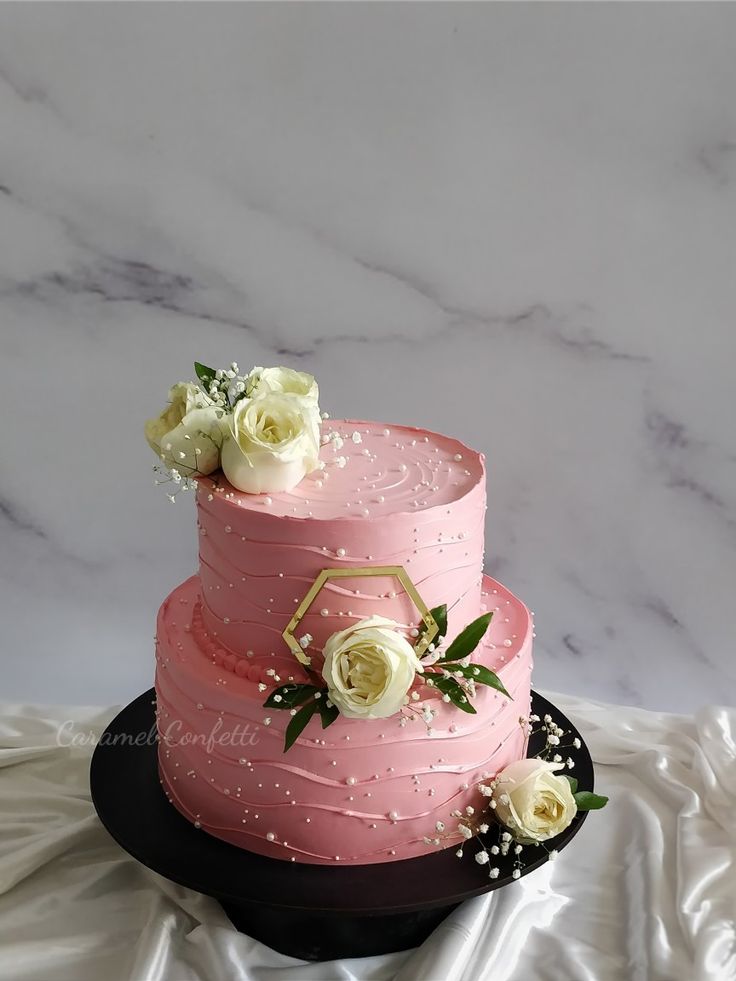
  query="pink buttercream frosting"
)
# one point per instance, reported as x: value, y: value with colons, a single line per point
x: 360, y: 791
x: 402, y: 497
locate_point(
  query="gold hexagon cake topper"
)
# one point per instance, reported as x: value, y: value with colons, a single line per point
x: 432, y: 628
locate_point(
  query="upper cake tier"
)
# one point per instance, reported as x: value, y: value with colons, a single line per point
x: 387, y: 495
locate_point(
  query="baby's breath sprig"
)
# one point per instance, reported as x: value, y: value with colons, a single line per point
x: 475, y: 827
x: 412, y: 713
x: 554, y: 739
x: 181, y: 482
x: 492, y: 838
x: 183, y: 476
x: 224, y: 386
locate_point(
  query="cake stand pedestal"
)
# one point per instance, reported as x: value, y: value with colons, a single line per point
x: 312, y: 912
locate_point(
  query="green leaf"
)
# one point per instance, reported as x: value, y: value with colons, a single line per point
x: 298, y: 723
x: 572, y: 781
x: 328, y: 713
x: 289, y: 696
x: 206, y: 375
x: 480, y: 675
x: 467, y: 640
x: 440, y: 618
x: 590, y: 802
x: 448, y: 686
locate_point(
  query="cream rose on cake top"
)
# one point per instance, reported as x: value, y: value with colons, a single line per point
x: 186, y: 434
x: 271, y: 443
x: 288, y: 381
x: 369, y: 668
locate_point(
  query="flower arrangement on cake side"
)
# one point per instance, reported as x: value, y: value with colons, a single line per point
x: 529, y: 802
x: 371, y: 671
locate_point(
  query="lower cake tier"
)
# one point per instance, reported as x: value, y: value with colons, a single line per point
x: 356, y: 793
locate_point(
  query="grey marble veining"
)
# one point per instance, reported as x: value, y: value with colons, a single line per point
x: 512, y: 223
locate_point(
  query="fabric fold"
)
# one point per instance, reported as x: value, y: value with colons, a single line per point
x: 646, y: 890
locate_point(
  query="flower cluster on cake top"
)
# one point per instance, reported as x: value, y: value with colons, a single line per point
x: 262, y: 428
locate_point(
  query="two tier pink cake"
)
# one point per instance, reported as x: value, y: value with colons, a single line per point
x: 363, y: 790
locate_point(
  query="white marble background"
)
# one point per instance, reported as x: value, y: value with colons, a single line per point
x: 512, y: 223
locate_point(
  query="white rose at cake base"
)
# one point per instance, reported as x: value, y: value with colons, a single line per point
x: 532, y: 801
x: 369, y: 668
x: 186, y: 435
x: 272, y: 443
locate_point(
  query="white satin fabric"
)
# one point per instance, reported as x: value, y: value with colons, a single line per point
x: 646, y: 890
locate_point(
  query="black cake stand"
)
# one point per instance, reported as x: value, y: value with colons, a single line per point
x: 313, y: 912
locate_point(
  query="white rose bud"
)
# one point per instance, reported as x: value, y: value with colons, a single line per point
x: 369, y: 668
x: 284, y: 381
x: 272, y: 443
x: 533, y: 800
x: 186, y: 435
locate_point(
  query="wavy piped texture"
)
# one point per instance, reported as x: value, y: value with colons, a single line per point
x: 359, y: 792
x: 388, y: 495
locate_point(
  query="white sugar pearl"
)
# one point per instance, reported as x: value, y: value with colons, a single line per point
x: 324, y: 612
x: 341, y: 552
x: 271, y: 836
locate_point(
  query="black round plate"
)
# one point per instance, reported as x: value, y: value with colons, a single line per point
x: 314, y: 912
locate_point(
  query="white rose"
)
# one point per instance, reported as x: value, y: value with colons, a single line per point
x: 272, y: 442
x: 532, y: 801
x: 287, y: 381
x: 369, y: 668
x: 186, y: 435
